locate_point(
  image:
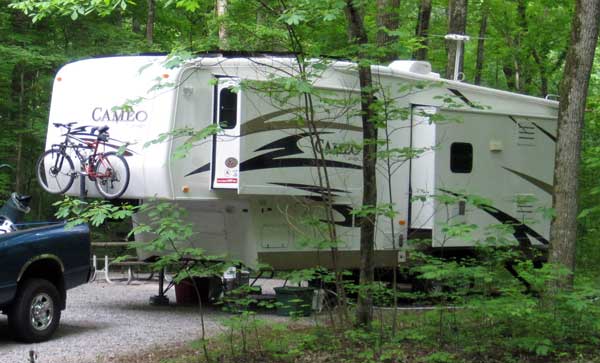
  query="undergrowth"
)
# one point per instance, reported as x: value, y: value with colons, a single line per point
x: 480, y: 312
x: 477, y: 334
x: 512, y: 327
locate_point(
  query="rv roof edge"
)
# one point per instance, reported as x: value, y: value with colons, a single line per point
x: 406, y: 69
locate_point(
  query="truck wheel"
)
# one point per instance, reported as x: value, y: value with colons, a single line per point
x: 35, y: 313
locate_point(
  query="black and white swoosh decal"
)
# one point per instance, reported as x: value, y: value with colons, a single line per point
x: 343, y: 209
x: 279, y: 157
x: 542, y: 130
x: 521, y: 231
x: 463, y: 97
x: 538, y: 183
x: 288, y: 146
x: 312, y: 188
x: 550, y: 136
x: 265, y: 122
x: 202, y: 169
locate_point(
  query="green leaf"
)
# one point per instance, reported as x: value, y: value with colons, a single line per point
x: 294, y: 19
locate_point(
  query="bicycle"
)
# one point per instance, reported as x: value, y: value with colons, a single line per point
x: 56, y: 172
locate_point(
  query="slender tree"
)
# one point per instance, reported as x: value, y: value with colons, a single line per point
x: 512, y: 76
x: 221, y: 8
x: 422, y: 31
x: 136, y: 26
x: 388, y: 20
x: 527, y: 49
x: 481, y: 42
x: 150, y: 21
x: 358, y: 36
x: 573, y: 95
x: 457, y: 24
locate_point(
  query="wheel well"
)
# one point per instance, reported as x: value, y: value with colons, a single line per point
x: 47, y: 269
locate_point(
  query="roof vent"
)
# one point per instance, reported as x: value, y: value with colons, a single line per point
x: 411, y: 66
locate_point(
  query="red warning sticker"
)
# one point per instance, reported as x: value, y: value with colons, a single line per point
x: 227, y: 180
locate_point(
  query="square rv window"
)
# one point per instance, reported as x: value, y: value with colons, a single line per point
x: 227, y: 109
x: 461, y: 157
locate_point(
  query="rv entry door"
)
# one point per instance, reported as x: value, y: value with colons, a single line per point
x: 226, y: 142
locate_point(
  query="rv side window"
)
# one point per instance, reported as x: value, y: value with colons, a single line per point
x: 461, y: 157
x: 227, y: 109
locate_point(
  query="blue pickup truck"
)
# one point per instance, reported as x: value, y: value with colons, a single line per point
x: 37, y: 266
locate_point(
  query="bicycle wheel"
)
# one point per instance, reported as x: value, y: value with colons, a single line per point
x: 112, y: 175
x: 55, y: 171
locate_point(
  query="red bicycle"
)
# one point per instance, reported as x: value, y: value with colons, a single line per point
x: 56, y: 172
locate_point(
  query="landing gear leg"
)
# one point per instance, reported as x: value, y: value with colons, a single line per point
x: 161, y: 299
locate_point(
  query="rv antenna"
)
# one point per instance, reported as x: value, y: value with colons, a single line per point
x: 459, y: 38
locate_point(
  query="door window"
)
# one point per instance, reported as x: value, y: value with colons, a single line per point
x: 228, y: 109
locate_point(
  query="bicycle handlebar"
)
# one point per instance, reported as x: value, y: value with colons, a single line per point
x: 101, y: 129
x: 67, y: 126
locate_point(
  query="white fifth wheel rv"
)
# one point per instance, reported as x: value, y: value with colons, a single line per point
x: 248, y: 187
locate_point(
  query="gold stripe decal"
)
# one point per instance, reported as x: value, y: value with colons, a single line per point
x: 260, y: 123
x: 538, y: 183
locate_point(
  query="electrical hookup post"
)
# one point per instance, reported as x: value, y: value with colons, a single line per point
x: 459, y: 39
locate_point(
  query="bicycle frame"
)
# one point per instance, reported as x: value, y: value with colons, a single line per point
x: 109, y: 171
x: 86, y: 162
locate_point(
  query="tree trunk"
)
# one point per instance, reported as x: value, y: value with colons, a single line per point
x: 522, y: 53
x: 517, y: 75
x: 358, y: 36
x: 543, y: 73
x: 573, y: 94
x: 136, y: 27
x: 150, y: 21
x: 19, y: 172
x: 422, y: 31
x: 481, y: 43
x: 388, y: 19
x: 509, y: 75
x: 457, y: 24
x: 539, y: 60
x: 221, y: 11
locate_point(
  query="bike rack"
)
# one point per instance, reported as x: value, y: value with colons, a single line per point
x: 82, y: 190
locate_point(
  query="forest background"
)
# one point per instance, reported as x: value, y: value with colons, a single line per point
x: 518, y: 45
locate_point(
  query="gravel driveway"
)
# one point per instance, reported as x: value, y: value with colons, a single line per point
x: 103, y: 320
